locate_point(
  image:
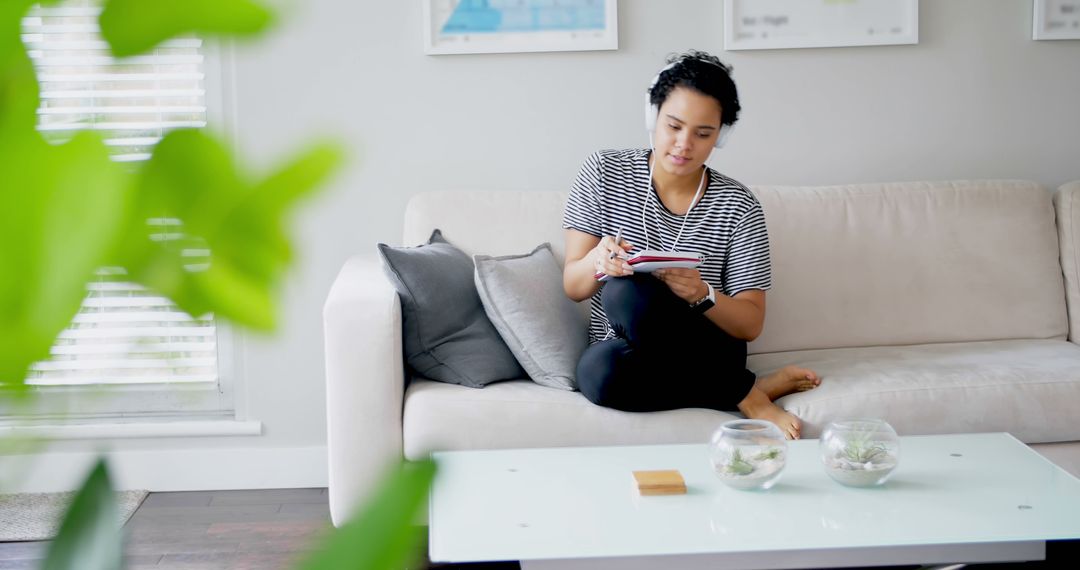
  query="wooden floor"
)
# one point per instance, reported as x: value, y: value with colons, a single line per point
x: 269, y: 530
x: 211, y: 530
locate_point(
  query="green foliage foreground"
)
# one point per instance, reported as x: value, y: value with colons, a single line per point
x: 67, y: 210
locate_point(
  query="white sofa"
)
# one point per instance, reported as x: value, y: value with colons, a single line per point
x: 938, y: 306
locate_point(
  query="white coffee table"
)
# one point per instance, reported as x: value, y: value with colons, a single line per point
x: 957, y: 498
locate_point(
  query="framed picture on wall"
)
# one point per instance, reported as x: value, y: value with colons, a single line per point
x: 1056, y: 20
x: 504, y: 26
x: 779, y: 24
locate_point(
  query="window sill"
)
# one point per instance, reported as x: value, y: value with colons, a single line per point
x: 132, y: 430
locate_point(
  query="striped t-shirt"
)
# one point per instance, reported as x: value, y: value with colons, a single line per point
x: 727, y: 226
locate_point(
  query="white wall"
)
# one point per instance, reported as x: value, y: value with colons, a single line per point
x: 976, y: 98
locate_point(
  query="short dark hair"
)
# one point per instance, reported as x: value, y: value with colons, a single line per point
x: 701, y: 72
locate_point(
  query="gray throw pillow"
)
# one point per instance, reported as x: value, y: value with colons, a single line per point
x: 523, y: 296
x: 447, y: 336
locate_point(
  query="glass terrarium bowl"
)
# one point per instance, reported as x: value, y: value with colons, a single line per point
x: 860, y: 452
x: 748, y: 454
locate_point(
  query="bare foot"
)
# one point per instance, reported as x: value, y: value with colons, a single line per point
x: 757, y: 406
x: 787, y: 380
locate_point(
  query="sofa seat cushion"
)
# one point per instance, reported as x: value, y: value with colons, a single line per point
x: 523, y: 414
x: 1028, y: 388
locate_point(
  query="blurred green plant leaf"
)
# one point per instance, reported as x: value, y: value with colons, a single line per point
x: 90, y: 536
x: 60, y: 212
x: 384, y: 535
x: 135, y: 26
x: 19, y: 93
x: 187, y: 223
x: 207, y: 236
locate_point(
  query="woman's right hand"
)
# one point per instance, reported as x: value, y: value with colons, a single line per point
x: 609, y: 257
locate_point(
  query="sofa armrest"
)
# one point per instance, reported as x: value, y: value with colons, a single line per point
x: 1067, y: 208
x: 365, y: 382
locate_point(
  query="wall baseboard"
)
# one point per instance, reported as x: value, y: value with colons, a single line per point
x: 171, y: 470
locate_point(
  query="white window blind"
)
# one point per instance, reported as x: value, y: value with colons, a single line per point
x: 123, y: 334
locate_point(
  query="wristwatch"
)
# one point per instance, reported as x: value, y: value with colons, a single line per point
x: 706, y: 302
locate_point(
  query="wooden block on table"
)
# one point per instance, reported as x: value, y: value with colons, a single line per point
x: 667, y: 482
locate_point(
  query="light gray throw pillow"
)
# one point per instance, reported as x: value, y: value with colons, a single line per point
x: 447, y: 336
x: 523, y: 296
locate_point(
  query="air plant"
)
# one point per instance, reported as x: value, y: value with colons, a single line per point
x: 768, y: 454
x: 738, y: 465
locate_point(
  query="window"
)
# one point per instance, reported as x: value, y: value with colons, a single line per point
x: 139, y: 350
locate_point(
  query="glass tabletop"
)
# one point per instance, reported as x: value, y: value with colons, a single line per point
x: 536, y: 504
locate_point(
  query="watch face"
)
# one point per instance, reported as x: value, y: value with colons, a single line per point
x: 704, y: 305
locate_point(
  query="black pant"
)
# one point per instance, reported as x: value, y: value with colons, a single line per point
x: 667, y: 355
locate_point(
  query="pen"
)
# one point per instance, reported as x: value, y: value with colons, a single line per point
x: 618, y: 238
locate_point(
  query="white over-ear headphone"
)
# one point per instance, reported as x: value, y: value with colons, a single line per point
x: 653, y: 111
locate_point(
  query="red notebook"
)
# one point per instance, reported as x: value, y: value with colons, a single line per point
x: 649, y: 260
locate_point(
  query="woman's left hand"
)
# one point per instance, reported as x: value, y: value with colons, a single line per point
x: 685, y: 283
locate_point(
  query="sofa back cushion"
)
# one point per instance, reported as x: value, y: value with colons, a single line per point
x: 911, y: 263
x: 1067, y: 204
x: 858, y: 265
x: 495, y: 223
x: 489, y: 223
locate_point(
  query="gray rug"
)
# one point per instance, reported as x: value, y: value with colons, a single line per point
x: 37, y: 516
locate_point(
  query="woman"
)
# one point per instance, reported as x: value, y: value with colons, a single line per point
x: 675, y: 338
